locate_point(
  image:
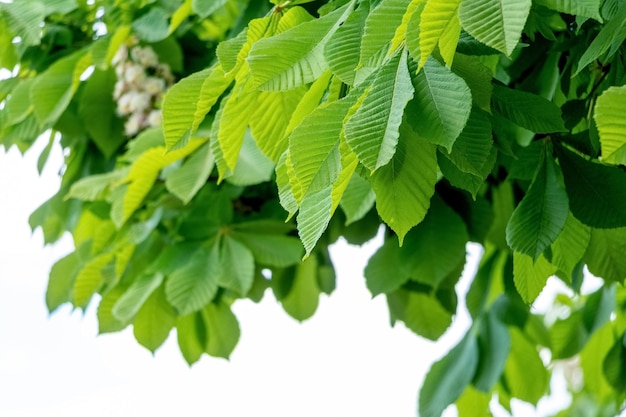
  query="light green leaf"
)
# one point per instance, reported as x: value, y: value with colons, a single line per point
x: 131, y: 301
x: 380, y: 28
x: 19, y: 104
x: 441, y: 105
x: 237, y: 265
x: 473, y: 403
x: 61, y: 281
x: 94, y: 187
x: 611, y: 124
x: 315, y: 212
x: 372, y: 132
x: 357, y: 200
x: 191, y: 333
x: 193, y: 285
x: 253, y: 167
x: 343, y: 48
x: 404, y: 186
x: 531, y: 276
x: 23, y: 18
x: 152, y: 26
x: 421, y: 313
x: 53, y: 89
x: 605, y: 254
x: 525, y: 375
x: 527, y: 110
x: 186, y: 104
x: 154, y: 321
x: 285, y: 193
x: 438, y: 19
x: 597, y: 192
x: 295, y: 56
x: 107, y: 322
x: 583, y: 8
x: 383, y: 273
x: 303, y: 297
x: 90, y: 279
x: 569, y: 248
x: 233, y: 123
x: 203, y: 8
x: 60, y: 6
x: 448, y: 378
x: 186, y: 180
x: 539, y: 218
x: 222, y: 328
x: 496, y: 23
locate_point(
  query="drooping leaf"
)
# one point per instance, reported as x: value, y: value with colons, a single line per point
x: 383, y: 273
x: 90, y: 279
x: 584, y: 8
x: 222, y: 328
x: 187, y: 179
x: 420, y: 312
x: 405, y: 185
x: 441, y: 105
x: 526, y: 376
x: 438, y: 22
x: 302, y: 53
x: 473, y: 403
x: 191, y: 333
x: 472, y: 148
x: 303, y: 297
x: 372, y: 132
x: 154, y: 321
x: 186, y: 104
x: 530, y: 276
x: 237, y: 265
x: 569, y: 248
x: 494, y: 343
x: 597, y: 192
x: 527, y: 110
x: 611, y: 125
x: 605, y: 254
x: 61, y: 281
x: 539, y: 218
x: 496, y: 23
x: 131, y: 301
x: 448, y: 378
x: 358, y: 198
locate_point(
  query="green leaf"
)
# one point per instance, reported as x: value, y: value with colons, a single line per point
x: 525, y: 375
x: 527, y: 110
x: 19, y: 105
x: 94, y: 187
x: 186, y: 180
x: 448, y: 378
x: 494, y: 343
x: 357, y: 200
x: 569, y: 248
x: 472, y: 149
x: 477, y: 77
x: 253, y: 167
x: 131, y: 301
x: 61, y: 281
x: 107, y: 322
x: 583, y: 8
x: 380, y: 28
x: 441, y: 105
x: 204, y: 8
x: 152, y: 26
x: 473, y: 403
x: 611, y: 33
x: 53, y: 89
x: 531, y: 276
x: 303, y: 298
x: 294, y: 57
x: 194, y: 284
x: 154, y: 321
x: 237, y: 265
x: 23, y: 19
x: 421, y: 255
x: 540, y: 216
x: 597, y: 192
x: 605, y: 254
x: 192, y: 336
x: 186, y: 104
x: 372, y: 131
x: 314, y: 216
x: 420, y: 312
x: 614, y: 365
x: 496, y: 23
x: 97, y: 109
x: 344, y: 46
x: 404, y: 186
x: 568, y: 336
x: 271, y: 249
x: 90, y: 279
x: 611, y: 124
x: 438, y: 20
x: 383, y: 273
x: 223, y: 329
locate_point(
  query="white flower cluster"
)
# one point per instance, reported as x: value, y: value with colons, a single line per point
x: 141, y: 82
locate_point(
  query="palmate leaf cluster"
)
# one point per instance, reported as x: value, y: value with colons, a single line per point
x: 293, y: 124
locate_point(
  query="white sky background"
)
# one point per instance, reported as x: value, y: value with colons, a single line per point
x: 345, y: 361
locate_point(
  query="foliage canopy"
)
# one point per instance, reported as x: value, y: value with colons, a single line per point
x: 193, y: 128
